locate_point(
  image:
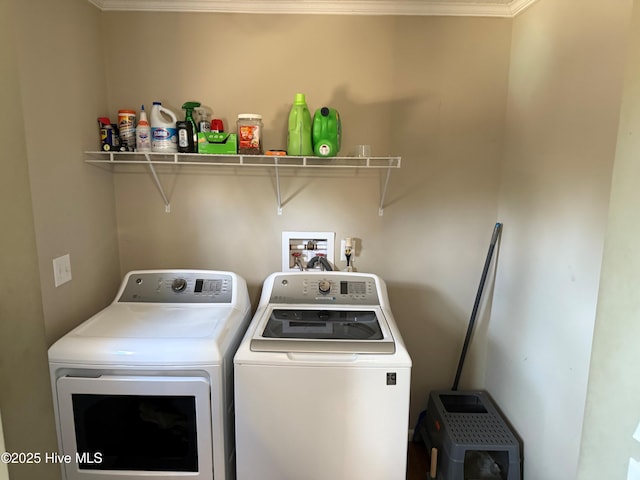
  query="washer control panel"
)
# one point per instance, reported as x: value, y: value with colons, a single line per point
x: 177, y: 286
x: 326, y: 288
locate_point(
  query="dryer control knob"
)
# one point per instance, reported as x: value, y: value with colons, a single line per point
x: 179, y: 285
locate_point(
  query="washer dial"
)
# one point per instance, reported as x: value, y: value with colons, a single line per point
x: 324, y: 286
x: 179, y: 285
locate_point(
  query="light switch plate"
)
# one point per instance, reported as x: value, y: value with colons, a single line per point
x: 62, y: 270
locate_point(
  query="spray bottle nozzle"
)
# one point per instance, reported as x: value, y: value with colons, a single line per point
x: 190, y: 106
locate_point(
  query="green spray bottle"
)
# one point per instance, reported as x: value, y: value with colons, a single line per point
x: 188, y: 130
x: 299, y: 139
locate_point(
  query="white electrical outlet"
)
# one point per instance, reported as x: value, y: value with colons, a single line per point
x: 343, y: 246
x: 61, y: 270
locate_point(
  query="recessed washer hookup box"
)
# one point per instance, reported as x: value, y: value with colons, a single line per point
x: 472, y: 439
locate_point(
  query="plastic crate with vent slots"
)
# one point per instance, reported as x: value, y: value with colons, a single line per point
x: 472, y: 439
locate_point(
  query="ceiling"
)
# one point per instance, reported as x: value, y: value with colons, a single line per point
x: 476, y: 8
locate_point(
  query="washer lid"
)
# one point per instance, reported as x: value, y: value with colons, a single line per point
x: 323, y: 330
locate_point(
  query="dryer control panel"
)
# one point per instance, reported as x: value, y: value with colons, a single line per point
x: 331, y: 288
x: 177, y: 286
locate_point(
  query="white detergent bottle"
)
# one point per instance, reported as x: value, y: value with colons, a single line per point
x: 143, y: 133
x: 164, y: 135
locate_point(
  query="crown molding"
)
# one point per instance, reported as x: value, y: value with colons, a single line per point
x: 519, y: 6
x: 475, y: 8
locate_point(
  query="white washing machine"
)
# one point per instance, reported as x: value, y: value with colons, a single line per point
x: 322, y: 382
x: 144, y: 388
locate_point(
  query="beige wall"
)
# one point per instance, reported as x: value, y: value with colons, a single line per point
x: 613, y: 411
x: 565, y: 82
x: 63, y: 93
x: 434, y: 90
x: 25, y: 396
x: 429, y: 89
x: 53, y: 89
x: 452, y: 74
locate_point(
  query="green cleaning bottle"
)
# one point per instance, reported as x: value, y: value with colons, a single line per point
x: 188, y: 130
x: 326, y: 132
x: 299, y: 138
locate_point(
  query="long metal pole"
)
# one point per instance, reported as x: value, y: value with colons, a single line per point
x: 474, y: 312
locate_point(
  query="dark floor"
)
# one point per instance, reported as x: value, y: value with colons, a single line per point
x: 417, y: 461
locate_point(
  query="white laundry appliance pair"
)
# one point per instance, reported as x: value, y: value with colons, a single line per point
x: 322, y: 382
x: 143, y: 389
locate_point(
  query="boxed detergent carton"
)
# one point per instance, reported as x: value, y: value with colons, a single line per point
x: 218, y: 143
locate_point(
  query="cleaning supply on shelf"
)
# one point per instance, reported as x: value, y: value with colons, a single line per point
x: 186, y: 142
x: 127, y: 129
x: 143, y: 132
x: 188, y: 129
x: 164, y: 136
x: 326, y: 132
x: 188, y: 108
x: 204, y: 119
x: 299, y: 131
x: 249, y: 134
x: 217, y: 125
x: 107, y: 135
x: 221, y: 143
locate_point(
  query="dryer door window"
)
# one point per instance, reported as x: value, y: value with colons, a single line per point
x: 136, y: 432
x: 150, y: 427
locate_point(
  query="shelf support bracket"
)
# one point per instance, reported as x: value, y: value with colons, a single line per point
x: 278, y: 194
x: 383, y: 193
x: 167, y: 205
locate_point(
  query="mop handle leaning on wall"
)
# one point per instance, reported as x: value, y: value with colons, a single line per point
x: 474, y: 312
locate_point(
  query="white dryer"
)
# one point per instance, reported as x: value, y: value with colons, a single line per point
x: 143, y: 389
x: 322, y: 382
